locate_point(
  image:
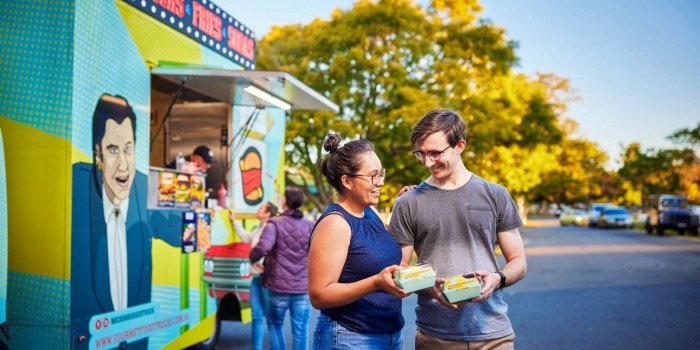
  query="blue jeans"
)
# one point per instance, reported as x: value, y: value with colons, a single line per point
x: 300, y: 310
x: 259, y: 309
x: 331, y: 335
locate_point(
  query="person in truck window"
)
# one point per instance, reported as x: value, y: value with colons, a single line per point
x: 202, y: 157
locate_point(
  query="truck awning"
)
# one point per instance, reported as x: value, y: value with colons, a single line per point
x: 248, y: 88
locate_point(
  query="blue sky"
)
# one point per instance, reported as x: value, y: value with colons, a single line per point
x: 635, y: 64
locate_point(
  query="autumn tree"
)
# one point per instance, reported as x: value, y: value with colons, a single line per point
x: 645, y: 172
x: 386, y: 63
x: 369, y: 60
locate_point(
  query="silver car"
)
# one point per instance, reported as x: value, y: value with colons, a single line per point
x: 578, y: 217
x: 614, y: 217
x: 594, y: 212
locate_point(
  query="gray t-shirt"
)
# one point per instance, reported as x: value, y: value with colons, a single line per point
x: 455, y: 231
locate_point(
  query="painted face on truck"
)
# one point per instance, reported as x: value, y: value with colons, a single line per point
x: 116, y: 159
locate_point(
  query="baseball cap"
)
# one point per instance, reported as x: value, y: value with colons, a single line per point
x: 205, y: 153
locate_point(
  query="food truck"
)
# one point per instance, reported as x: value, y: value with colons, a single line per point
x: 108, y: 246
x: 4, y: 331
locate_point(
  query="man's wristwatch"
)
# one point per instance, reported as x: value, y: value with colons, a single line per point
x: 503, y: 279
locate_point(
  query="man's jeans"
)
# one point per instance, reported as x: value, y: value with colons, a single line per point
x: 300, y: 310
x: 259, y: 309
x: 331, y: 335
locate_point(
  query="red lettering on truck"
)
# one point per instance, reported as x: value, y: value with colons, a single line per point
x: 206, y: 21
x: 241, y: 43
x: 176, y: 7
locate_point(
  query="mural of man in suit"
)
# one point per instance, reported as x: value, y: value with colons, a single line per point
x: 111, y: 241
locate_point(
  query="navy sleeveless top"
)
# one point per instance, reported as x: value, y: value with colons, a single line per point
x: 372, y: 248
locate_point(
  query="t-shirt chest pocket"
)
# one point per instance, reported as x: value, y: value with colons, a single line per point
x: 480, y: 218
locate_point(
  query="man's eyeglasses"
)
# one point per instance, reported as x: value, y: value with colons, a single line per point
x: 434, y: 155
x: 375, y: 179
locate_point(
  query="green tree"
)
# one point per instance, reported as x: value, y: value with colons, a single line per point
x: 660, y: 171
x: 576, y: 176
x: 687, y: 136
x: 387, y: 62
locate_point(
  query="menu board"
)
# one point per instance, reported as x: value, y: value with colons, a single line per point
x: 166, y: 189
x: 197, y: 191
x: 203, y: 231
x: 182, y: 191
x: 189, y: 231
x: 176, y: 189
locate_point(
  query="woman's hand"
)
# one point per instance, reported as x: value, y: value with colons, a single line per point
x: 385, y: 282
x: 259, y: 266
x: 404, y: 190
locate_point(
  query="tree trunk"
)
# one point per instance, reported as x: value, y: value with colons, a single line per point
x: 522, y: 208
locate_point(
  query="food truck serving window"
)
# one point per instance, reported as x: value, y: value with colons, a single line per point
x: 234, y: 87
x: 192, y: 108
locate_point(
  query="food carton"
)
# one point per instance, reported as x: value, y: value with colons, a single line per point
x: 415, y: 278
x: 461, y: 287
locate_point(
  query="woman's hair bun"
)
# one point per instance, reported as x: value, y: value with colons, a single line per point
x: 332, y: 142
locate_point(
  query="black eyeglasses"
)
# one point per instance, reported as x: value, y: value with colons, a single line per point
x: 434, y: 155
x: 379, y: 176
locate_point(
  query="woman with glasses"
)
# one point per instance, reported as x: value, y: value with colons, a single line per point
x: 352, y: 256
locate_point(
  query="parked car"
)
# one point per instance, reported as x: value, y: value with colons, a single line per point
x: 614, y: 217
x: 695, y: 209
x: 594, y: 212
x: 670, y: 211
x: 578, y: 217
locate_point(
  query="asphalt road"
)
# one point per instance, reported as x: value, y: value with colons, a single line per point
x: 588, y: 289
x: 607, y: 289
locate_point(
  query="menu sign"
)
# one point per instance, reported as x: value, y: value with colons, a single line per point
x: 203, y: 228
x: 206, y: 23
x: 166, y: 189
x: 189, y: 231
x: 197, y: 191
x: 180, y: 190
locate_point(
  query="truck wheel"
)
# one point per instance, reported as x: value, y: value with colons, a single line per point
x: 681, y: 231
x: 660, y: 230
x: 210, y: 344
x: 693, y: 231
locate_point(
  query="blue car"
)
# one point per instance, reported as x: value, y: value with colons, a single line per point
x: 614, y: 217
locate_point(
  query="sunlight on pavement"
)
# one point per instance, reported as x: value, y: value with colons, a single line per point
x: 606, y: 249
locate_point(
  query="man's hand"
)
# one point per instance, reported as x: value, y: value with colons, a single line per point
x: 436, y: 293
x: 491, y: 281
